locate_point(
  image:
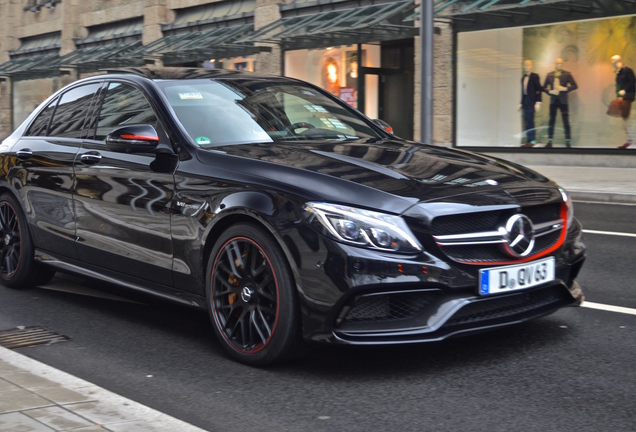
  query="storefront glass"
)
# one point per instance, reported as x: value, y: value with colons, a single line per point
x: 336, y: 70
x: 490, y: 81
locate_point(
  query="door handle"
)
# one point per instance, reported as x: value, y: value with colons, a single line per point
x: 91, y: 158
x: 24, y: 154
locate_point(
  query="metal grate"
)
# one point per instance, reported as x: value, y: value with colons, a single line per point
x: 389, y: 306
x: 29, y: 337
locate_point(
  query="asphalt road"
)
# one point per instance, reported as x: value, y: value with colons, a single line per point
x: 571, y: 371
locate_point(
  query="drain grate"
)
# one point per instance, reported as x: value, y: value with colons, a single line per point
x: 30, y: 337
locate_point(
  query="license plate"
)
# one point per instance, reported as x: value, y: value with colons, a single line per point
x: 497, y: 280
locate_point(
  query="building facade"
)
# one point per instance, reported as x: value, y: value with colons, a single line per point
x: 367, y: 52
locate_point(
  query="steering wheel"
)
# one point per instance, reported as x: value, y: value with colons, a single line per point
x: 298, y: 125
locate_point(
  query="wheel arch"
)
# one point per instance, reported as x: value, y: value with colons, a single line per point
x: 256, y: 208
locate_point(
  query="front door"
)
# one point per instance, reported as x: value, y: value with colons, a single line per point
x: 122, y: 200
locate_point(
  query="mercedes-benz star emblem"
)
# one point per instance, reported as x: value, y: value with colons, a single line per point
x: 246, y: 294
x: 519, y: 236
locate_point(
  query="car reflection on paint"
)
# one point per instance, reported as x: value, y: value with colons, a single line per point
x: 286, y: 214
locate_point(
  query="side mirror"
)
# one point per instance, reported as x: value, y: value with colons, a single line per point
x: 133, y: 139
x: 384, y: 125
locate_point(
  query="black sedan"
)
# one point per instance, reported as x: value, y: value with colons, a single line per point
x: 289, y: 216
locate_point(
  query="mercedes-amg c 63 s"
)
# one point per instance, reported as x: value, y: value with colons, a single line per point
x: 285, y: 213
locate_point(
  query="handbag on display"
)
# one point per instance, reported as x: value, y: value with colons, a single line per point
x: 615, y: 108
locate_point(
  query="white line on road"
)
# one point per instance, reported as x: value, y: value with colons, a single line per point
x: 600, y: 306
x: 621, y: 234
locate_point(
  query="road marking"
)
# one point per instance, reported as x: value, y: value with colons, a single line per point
x: 621, y: 234
x: 609, y: 308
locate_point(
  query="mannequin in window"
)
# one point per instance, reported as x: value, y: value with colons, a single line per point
x: 625, y: 90
x: 530, y: 101
x: 558, y: 84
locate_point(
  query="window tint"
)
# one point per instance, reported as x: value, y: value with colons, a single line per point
x: 40, y: 125
x: 123, y: 105
x: 71, y: 111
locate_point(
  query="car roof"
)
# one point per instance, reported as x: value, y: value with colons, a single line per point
x: 180, y: 73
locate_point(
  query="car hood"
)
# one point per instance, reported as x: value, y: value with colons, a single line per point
x: 390, y: 175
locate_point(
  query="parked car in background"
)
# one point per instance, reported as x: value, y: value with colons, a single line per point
x: 288, y: 215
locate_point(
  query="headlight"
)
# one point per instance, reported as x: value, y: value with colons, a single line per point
x: 568, y: 203
x: 364, y: 228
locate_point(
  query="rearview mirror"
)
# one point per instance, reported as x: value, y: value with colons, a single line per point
x: 133, y: 139
x: 384, y: 125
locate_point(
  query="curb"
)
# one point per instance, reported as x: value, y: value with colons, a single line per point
x: 51, y: 389
x: 603, y: 197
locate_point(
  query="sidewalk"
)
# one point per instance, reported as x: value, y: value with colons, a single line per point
x: 597, y: 184
x: 37, y: 397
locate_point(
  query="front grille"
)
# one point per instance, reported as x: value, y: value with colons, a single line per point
x: 466, y: 223
x: 470, y: 247
x: 511, y: 305
x: 387, y: 307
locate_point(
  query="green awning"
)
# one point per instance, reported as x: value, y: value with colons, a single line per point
x: 40, y: 66
x: 197, y: 17
x: 371, y: 23
x: 471, y: 15
x: 98, y: 57
x: 37, y: 57
x: 198, y: 45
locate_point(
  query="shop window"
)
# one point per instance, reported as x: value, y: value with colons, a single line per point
x: 70, y: 113
x: 575, y: 77
x: 40, y: 125
x: 123, y: 105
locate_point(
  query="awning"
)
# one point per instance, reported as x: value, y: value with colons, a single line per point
x: 199, y: 45
x: 371, y: 23
x: 37, y: 57
x: 469, y: 15
x: 98, y: 57
x: 105, y: 46
x: 39, y: 66
x: 197, y: 17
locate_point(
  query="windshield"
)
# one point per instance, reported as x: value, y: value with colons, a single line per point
x: 217, y: 113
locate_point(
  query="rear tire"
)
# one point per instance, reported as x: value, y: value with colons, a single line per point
x: 251, y: 297
x: 18, y: 267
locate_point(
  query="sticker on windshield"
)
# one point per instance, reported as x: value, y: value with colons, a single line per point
x: 203, y: 140
x: 188, y: 96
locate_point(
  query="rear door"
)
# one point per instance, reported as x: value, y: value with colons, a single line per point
x: 43, y: 173
x: 123, y: 199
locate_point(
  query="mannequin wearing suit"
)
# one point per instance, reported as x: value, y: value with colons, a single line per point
x: 625, y: 90
x: 530, y: 101
x: 558, y: 84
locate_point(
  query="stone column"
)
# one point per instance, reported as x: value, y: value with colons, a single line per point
x: 267, y: 12
x: 442, y: 85
x: 155, y: 14
x: 443, y: 79
x: 6, y: 44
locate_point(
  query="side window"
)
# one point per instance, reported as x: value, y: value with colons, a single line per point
x: 70, y: 113
x: 123, y: 105
x: 40, y: 125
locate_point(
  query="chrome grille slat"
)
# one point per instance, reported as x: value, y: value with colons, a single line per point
x: 487, y: 240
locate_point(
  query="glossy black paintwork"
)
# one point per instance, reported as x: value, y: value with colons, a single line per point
x: 149, y: 220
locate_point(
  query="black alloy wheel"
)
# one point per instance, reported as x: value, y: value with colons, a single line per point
x: 18, y: 267
x: 10, y: 240
x: 251, y: 297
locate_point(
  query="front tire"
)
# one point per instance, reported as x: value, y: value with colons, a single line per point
x: 251, y: 297
x: 18, y: 267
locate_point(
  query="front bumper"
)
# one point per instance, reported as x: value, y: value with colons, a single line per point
x: 354, y: 296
